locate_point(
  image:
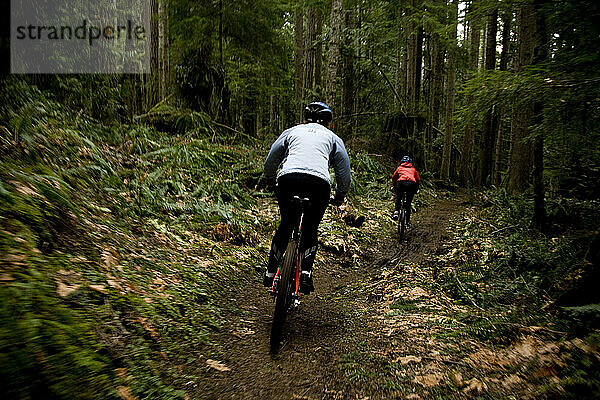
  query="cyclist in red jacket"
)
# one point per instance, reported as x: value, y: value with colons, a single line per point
x: 405, y: 180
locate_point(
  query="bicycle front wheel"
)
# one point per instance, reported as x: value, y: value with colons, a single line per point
x: 284, y: 295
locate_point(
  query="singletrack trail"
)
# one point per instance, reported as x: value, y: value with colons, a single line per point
x: 336, y: 322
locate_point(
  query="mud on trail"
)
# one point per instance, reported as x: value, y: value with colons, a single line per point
x: 325, y: 342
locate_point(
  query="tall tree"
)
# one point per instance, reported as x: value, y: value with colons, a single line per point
x: 450, y: 91
x: 540, y: 55
x: 334, y: 53
x: 298, y: 59
x: 163, y: 43
x: 487, y: 135
x: 521, y: 151
x: 318, y: 51
x: 498, y: 116
x: 466, y: 156
x: 348, y: 74
x: 310, y: 49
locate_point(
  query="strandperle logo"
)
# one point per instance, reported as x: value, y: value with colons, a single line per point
x: 80, y: 36
x: 90, y: 33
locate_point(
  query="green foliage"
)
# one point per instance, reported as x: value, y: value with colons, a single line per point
x: 505, y: 269
x: 369, y: 177
x: 43, y: 341
x: 64, y: 179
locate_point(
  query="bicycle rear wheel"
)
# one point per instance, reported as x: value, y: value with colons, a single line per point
x: 284, y: 295
x: 402, y: 223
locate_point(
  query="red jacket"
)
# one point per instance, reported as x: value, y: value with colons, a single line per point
x: 405, y: 172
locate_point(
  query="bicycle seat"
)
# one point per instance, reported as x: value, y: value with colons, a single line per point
x: 302, y: 201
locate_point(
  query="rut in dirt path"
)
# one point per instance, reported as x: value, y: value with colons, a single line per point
x: 330, y: 324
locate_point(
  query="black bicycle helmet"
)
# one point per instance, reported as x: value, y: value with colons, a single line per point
x: 406, y: 159
x: 318, y: 112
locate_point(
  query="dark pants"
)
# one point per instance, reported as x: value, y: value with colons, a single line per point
x: 303, y: 186
x: 410, y: 188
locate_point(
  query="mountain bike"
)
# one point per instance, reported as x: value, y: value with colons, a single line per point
x: 286, y: 283
x: 402, y: 218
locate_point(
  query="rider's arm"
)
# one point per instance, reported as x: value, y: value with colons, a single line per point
x: 418, y: 178
x: 341, y: 166
x: 395, y: 178
x: 276, y: 155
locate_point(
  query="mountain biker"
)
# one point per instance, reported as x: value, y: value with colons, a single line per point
x: 405, y: 180
x: 309, y: 150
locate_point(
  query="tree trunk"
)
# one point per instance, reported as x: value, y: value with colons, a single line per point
x: 298, y: 60
x: 498, y: 117
x: 450, y: 90
x: 521, y: 152
x: 486, y: 144
x: 348, y: 77
x: 466, y: 160
x: 309, y: 52
x: 163, y: 42
x: 318, y: 52
x: 411, y: 52
x: 540, y: 55
x: 334, y: 54
x: 400, y: 74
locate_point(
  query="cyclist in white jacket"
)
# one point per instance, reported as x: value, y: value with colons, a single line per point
x: 307, y: 151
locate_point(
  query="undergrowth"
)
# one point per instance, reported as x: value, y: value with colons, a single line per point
x: 107, y: 242
x: 511, y: 276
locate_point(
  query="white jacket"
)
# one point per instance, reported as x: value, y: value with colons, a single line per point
x: 310, y: 149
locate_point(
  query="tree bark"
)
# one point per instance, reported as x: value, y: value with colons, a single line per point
x: 486, y: 144
x: 521, y: 151
x: 348, y: 77
x: 318, y: 52
x: 309, y: 52
x: 298, y: 59
x: 450, y: 91
x: 411, y: 66
x: 334, y: 54
x: 498, y: 116
x: 466, y: 160
x: 163, y: 31
x: 540, y: 55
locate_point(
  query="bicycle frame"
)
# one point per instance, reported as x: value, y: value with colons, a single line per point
x: 295, y: 236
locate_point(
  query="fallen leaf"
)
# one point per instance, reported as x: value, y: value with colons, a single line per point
x: 98, y: 288
x: 6, y: 277
x: 14, y: 259
x: 25, y: 189
x: 512, y: 380
x: 475, y: 385
x: 407, y: 359
x: 457, y: 379
x: 416, y: 293
x: 64, y: 290
x: 217, y: 365
x: 121, y: 372
x: 148, y: 327
x: 110, y: 258
x: 125, y: 393
x: 428, y: 380
x: 243, y: 332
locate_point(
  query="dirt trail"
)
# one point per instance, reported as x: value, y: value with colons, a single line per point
x: 330, y: 325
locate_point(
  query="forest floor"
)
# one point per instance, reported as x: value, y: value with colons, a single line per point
x: 372, y: 330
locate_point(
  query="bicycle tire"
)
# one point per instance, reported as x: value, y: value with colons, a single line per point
x: 402, y: 224
x: 284, y: 296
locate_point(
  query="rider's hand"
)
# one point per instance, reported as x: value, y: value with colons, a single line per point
x: 337, y: 200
